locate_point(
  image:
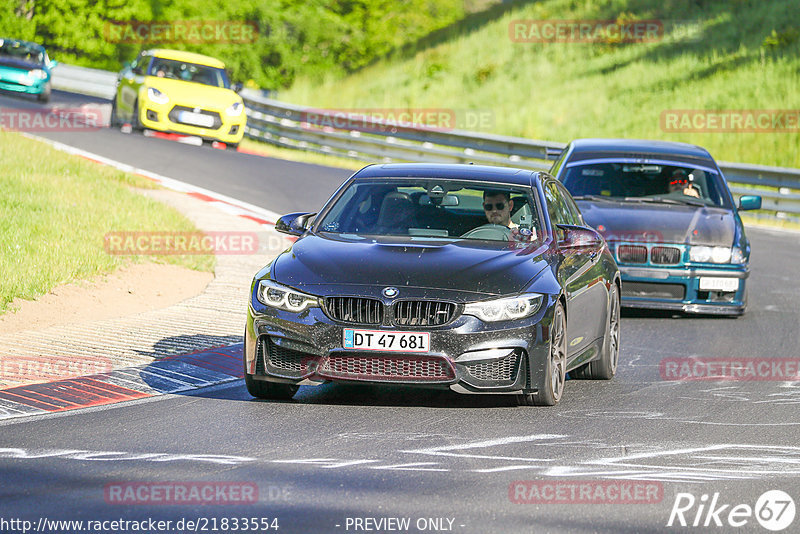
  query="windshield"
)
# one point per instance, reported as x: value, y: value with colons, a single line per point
x: 24, y: 51
x: 645, y: 182
x: 434, y: 208
x: 188, y: 72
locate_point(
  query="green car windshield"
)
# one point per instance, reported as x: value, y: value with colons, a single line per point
x: 639, y: 182
x: 21, y: 50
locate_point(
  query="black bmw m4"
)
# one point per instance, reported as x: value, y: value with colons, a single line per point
x: 478, y: 279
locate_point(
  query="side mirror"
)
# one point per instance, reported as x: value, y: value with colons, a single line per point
x: 577, y: 237
x: 750, y: 202
x: 294, y: 224
x: 52, y: 64
x: 237, y: 87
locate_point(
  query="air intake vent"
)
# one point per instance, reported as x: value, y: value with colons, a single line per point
x: 632, y: 254
x: 423, y: 313
x: 354, y: 310
x: 372, y: 368
x: 665, y: 255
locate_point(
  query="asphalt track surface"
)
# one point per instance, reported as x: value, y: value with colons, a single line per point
x: 339, y: 454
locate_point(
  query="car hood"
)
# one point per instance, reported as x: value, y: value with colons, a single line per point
x: 192, y: 94
x: 664, y: 223
x: 20, y: 64
x: 465, y: 266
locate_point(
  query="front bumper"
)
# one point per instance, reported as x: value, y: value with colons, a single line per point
x: 22, y: 85
x: 678, y: 289
x: 467, y: 355
x: 164, y: 118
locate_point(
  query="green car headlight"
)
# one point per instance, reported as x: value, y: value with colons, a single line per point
x: 281, y: 297
x: 505, y: 309
x: 703, y: 254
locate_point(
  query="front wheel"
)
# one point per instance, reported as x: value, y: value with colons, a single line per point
x: 605, y: 367
x: 136, y: 124
x: 552, y: 380
x: 267, y: 390
x: 44, y: 96
x: 114, y: 117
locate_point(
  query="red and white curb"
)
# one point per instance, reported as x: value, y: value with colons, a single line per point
x: 173, y: 374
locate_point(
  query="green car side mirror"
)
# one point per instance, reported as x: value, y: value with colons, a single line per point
x: 750, y: 202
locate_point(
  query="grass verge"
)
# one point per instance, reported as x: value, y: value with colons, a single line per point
x: 713, y: 55
x: 54, y: 211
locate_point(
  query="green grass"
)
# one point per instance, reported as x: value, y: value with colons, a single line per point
x: 265, y: 149
x: 55, y: 210
x: 739, y: 54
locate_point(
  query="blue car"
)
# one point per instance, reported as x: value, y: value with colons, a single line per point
x: 25, y: 68
x: 670, y: 219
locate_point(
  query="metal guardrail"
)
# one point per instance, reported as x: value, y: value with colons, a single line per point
x: 298, y: 127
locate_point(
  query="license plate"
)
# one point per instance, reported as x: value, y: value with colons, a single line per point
x: 198, y: 119
x: 386, y: 341
x: 728, y: 285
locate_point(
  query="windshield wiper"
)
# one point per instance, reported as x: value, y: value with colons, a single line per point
x: 593, y: 197
x: 661, y: 200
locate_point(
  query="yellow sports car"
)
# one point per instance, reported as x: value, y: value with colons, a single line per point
x: 179, y: 92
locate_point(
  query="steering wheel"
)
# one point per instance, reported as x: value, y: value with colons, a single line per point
x: 493, y: 232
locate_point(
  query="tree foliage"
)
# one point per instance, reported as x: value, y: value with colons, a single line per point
x: 307, y: 37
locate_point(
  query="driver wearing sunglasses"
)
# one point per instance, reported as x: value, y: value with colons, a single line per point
x: 497, y: 206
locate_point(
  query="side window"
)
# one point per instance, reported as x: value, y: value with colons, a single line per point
x: 556, y: 207
x: 139, y: 65
x: 574, y: 213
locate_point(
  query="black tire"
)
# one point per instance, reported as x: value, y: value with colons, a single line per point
x: 551, y: 383
x: 44, y: 96
x: 113, y: 120
x: 605, y: 367
x: 267, y: 390
x: 136, y: 126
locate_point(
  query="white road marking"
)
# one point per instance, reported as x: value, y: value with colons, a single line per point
x: 416, y: 466
x: 116, y: 456
x: 325, y: 463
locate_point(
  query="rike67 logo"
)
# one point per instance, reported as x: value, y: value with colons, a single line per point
x: 774, y: 510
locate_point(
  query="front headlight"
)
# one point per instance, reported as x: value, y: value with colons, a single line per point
x: 703, y: 254
x: 157, y: 96
x: 505, y: 309
x: 281, y: 297
x: 38, y: 74
x: 235, y: 109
